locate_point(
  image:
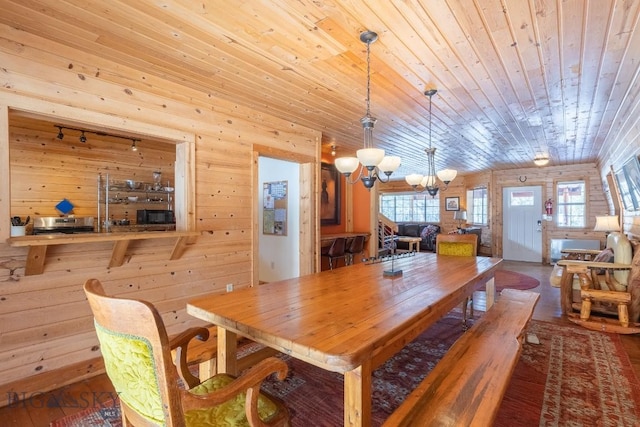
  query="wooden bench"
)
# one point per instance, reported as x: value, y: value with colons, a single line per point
x: 204, y: 353
x: 466, y: 387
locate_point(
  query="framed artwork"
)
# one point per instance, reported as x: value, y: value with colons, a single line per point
x: 452, y: 203
x: 329, y: 195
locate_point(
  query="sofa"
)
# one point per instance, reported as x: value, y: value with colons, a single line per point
x: 426, y: 231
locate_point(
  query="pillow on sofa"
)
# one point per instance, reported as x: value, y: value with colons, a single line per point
x: 428, y: 231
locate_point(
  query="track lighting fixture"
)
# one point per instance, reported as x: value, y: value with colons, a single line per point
x: 333, y: 150
x: 83, y: 137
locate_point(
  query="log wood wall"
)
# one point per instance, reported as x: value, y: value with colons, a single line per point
x: 46, y: 336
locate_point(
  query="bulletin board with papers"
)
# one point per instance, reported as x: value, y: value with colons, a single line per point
x: 274, y: 209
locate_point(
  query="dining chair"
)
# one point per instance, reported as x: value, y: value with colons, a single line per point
x: 459, y: 245
x: 137, y: 356
x: 336, y: 251
x: 356, y: 246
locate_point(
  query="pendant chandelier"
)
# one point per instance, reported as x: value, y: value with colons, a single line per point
x: 429, y: 181
x: 370, y: 160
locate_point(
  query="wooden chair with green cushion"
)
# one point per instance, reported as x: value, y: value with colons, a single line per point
x: 458, y: 245
x: 137, y: 355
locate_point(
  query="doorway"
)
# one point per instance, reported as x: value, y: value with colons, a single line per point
x: 279, y: 242
x: 522, y: 223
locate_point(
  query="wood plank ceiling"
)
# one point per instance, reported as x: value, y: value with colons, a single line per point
x: 515, y: 78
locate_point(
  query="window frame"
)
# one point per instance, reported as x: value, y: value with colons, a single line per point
x: 471, y: 207
x: 557, y: 203
x: 413, y: 195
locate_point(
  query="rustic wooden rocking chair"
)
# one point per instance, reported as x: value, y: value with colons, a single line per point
x: 137, y: 355
x: 609, y: 289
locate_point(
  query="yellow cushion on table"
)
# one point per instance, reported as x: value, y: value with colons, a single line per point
x: 456, y: 248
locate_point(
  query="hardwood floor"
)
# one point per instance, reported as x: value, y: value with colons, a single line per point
x: 42, y: 409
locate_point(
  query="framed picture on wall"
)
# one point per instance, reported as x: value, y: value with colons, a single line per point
x: 329, y: 195
x: 452, y: 203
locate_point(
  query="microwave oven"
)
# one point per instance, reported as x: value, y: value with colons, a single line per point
x: 155, y: 216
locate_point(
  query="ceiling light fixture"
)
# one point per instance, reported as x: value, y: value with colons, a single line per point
x: 134, y: 147
x: 333, y: 150
x: 83, y: 138
x: 60, y: 134
x: 429, y: 181
x: 541, y: 160
x: 369, y: 158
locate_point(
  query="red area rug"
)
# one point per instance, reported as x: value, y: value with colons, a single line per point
x: 506, y: 279
x: 573, y: 377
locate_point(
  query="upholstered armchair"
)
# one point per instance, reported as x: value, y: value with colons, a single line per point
x: 137, y: 356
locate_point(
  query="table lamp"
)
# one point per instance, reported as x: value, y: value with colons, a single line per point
x: 460, y: 216
x: 607, y: 223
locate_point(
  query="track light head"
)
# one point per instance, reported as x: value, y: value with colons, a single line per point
x: 60, y: 134
x: 83, y: 138
x: 133, y: 145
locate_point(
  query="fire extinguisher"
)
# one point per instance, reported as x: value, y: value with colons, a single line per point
x: 548, y: 206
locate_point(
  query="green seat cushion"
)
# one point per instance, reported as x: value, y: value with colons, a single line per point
x: 230, y: 413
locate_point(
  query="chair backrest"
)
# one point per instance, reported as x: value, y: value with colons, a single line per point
x: 622, y: 254
x: 457, y: 244
x: 338, y: 247
x: 137, y: 356
x: 357, y: 245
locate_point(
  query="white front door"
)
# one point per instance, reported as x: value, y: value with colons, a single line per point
x: 521, y: 227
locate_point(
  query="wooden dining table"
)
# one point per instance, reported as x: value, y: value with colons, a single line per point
x: 348, y: 320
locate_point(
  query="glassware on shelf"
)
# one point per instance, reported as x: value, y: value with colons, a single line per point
x: 157, y: 180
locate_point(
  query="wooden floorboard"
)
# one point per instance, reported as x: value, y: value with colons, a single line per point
x: 36, y: 412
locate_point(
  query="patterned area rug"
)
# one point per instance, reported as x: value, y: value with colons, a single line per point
x: 573, y: 377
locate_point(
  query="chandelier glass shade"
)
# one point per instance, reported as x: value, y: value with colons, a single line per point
x: 428, y: 182
x: 370, y: 160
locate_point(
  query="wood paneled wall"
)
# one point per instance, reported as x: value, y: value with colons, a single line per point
x: 47, y: 337
x: 546, y: 177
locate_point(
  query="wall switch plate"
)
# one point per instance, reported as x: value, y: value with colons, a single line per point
x: 229, y: 287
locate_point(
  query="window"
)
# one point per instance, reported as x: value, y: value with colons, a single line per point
x: 572, y: 204
x: 478, y: 206
x: 410, y: 207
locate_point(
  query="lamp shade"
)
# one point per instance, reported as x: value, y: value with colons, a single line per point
x: 413, y: 179
x: 428, y: 181
x: 346, y: 164
x: 607, y: 223
x: 370, y: 157
x: 460, y: 215
x: 447, y: 175
x: 389, y: 164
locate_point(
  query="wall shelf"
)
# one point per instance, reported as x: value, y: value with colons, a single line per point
x: 38, y: 245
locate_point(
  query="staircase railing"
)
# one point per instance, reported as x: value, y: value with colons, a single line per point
x: 387, y: 231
